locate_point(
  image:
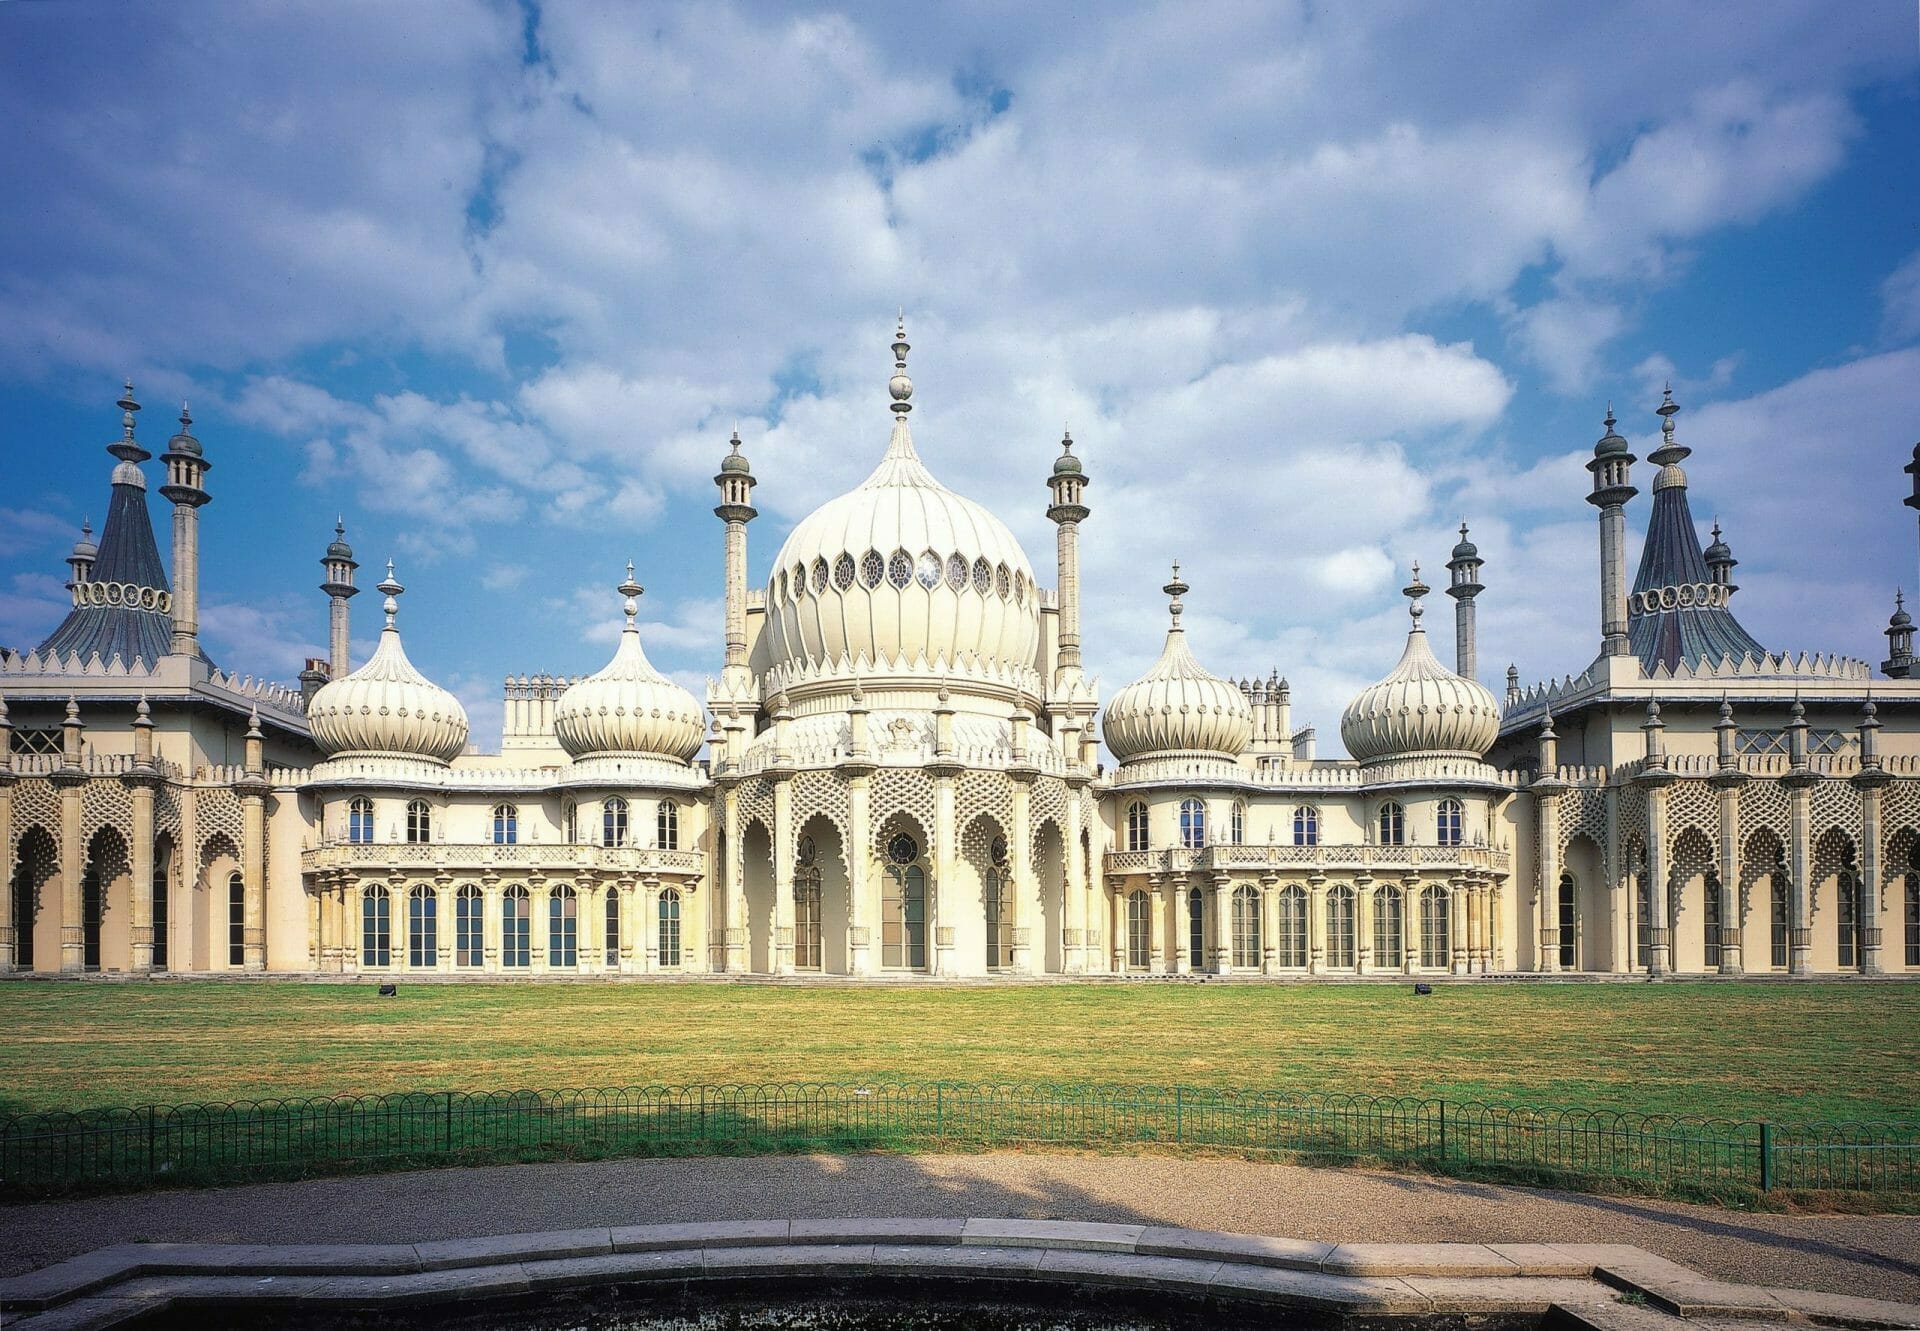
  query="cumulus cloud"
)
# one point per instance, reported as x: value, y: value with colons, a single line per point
x: 1900, y: 299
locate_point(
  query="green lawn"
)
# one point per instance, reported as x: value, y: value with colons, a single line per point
x: 1748, y: 1051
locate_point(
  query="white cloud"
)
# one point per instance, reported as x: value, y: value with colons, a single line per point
x: 1900, y: 299
x: 1563, y: 336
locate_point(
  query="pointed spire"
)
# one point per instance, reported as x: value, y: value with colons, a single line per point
x: 901, y: 387
x: 390, y: 588
x: 126, y: 447
x: 631, y: 590
x: 1413, y: 591
x: 1670, y: 454
x: 1175, y: 589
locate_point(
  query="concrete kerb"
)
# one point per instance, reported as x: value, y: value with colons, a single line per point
x: 1580, y: 1284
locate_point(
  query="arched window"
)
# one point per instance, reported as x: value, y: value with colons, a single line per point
x: 563, y: 927
x: 92, y: 913
x: 469, y: 927
x: 360, y: 821
x: 1196, y: 929
x: 1569, y: 908
x: 1136, y: 826
x: 807, y: 948
x: 1778, y: 915
x: 1293, y: 927
x: 1393, y: 825
x: 1306, y: 826
x: 570, y: 822
x: 1435, y: 935
x: 419, y: 822
x: 423, y: 928
x: 1193, y: 824
x: 998, y: 885
x: 670, y: 923
x: 376, y: 926
x: 666, y: 826
x: 1237, y: 824
x: 506, y: 825
x: 1710, y: 917
x: 1340, y: 913
x: 1387, y: 922
x: 613, y: 928
x: 162, y: 854
x: 516, y: 928
x: 903, y: 907
x: 613, y: 822
x: 1449, y: 823
x: 1246, y: 927
x: 1847, y: 917
x: 1642, y: 919
x: 1913, y: 919
x: 237, y: 919
x: 1139, y: 930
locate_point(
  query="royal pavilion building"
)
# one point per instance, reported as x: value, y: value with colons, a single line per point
x: 897, y: 774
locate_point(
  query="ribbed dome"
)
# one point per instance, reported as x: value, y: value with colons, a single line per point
x: 387, y: 708
x: 1421, y: 709
x: 629, y: 709
x: 1177, y: 708
x: 903, y: 573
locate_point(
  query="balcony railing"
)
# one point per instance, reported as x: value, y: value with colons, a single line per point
x: 478, y: 854
x: 1332, y: 858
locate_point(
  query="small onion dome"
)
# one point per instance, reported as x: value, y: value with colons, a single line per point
x: 1421, y: 709
x: 629, y: 708
x: 735, y: 460
x: 1900, y: 618
x: 1066, y: 464
x: 184, y: 442
x: 338, y: 548
x: 1610, y: 444
x: 1465, y: 549
x: 1177, y: 707
x: 387, y: 708
x: 84, y: 548
x: 1718, y: 552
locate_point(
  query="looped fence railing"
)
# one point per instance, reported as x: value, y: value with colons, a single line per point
x: 149, y: 1144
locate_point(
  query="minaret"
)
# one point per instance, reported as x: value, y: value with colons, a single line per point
x: 186, y: 469
x: 1465, y: 567
x: 1612, y: 467
x: 1068, y: 485
x: 736, y: 509
x: 81, y: 560
x: 339, y: 564
x: 1899, y: 663
x: 1720, y: 562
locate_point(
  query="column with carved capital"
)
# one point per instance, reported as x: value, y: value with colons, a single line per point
x: 1222, y: 924
x: 1317, y: 924
x: 1456, y: 925
x: 1363, y: 908
x: 784, y: 851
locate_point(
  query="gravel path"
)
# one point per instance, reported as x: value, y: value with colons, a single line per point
x: 1877, y: 1256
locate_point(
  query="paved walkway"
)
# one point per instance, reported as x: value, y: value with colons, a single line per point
x: 1876, y: 1256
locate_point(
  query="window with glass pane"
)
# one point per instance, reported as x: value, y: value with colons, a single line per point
x: 516, y: 928
x: 1777, y: 935
x: 1292, y: 927
x: 1569, y: 899
x: 1139, y: 930
x: 237, y: 920
x: 506, y: 825
x: 1136, y: 826
x: 903, y: 907
x: 1193, y: 824
x: 1913, y: 919
x: 376, y: 927
x: 158, y: 888
x: 563, y: 927
x: 469, y: 927
x: 613, y: 822
x: 613, y: 928
x: 670, y: 927
x: 808, y: 951
x: 1246, y: 927
x: 1847, y: 919
x: 423, y: 931
x: 1237, y: 825
x: 419, y: 822
x: 1387, y: 925
x: 999, y: 893
x: 1711, y: 918
x: 360, y: 821
x: 1642, y: 919
x: 1340, y: 916
x: 1450, y: 821
x: 667, y: 826
x: 1306, y: 826
x: 1196, y: 929
x: 1435, y: 927
x: 1393, y: 825
x: 570, y: 822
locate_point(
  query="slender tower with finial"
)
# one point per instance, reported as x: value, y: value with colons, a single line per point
x: 736, y: 509
x: 339, y: 565
x: 1465, y: 569
x: 1612, y: 467
x: 1068, y: 486
x: 186, y: 470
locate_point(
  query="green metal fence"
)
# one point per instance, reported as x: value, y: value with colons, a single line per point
x: 132, y: 1147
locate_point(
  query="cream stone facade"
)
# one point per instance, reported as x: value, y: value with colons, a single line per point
x: 896, y: 774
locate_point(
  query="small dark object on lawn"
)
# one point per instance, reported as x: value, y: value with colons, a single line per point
x: 1422, y: 989
x: 389, y: 990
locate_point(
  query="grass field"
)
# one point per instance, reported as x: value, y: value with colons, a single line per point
x: 1831, y: 1051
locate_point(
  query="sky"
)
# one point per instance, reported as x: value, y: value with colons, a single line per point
x: 1311, y: 284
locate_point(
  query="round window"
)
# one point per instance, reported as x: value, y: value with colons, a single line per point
x: 903, y: 849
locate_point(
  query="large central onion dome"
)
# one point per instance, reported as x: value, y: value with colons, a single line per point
x: 629, y: 709
x: 902, y: 575
x: 1421, y: 709
x: 386, y: 708
x: 1177, y: 709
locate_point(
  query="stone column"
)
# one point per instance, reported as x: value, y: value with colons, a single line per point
x: 253, y: 868
x: 1222, y: 924
x: 8, y: 925
x: 443, y: 925
x: 73, y: 855
x: 1270, y: 922
x: 1073, y: 886
x: 1456, y: 925
x: 316, y: 927
x: 141, y: 917
x: 353, y: 926
x: 1317, y: 925
x: 1160, y: 937
x: 943, y: 908
x: 1117, y: 926
x: 1659, y: 950
x: 492, y: 900
x: 1020, y: 864
x: 1800, y: 868
x: 1870, y: 781
x: 1363, y: 908
x: 1727, y: 784
x: 1547, y: 890
x: 733, y: 957
x: 783, y: 856
x: 1410, y: 958
x: 860, y: 872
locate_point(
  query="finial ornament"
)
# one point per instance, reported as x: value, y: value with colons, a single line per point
x: 632, y: 591
x: 1413, y: 591
x: 391, y: 589
x: 126, y: 448
x: 1175, y: 589
x: 900, y: 386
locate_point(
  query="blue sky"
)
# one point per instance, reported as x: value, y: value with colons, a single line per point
x: 1310, y: 282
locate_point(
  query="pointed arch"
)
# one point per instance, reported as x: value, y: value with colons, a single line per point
x: 1763, y: 899
x: 106, y: 902
x: 36, y: 871
x: 1693, y: 901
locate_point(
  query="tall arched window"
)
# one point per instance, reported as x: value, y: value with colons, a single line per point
x: 506, y: 825
x: 162, y: 855
x: 670, y: 927
x: 1642, y: 919
x: 516, y: 928
x: 1913, y: 919
x: 1778, y: 917
x: 1246, y: 927
x: 1340, y: 913
x: 93, y: 907
x: 1436, y: 947
x: 612, y: 952
x: 1237, y: 824
x: 563, y: 927
x: 998, y: 886
x: 1306, y: 826
x: 1449, y: 823
x: 1139, y: 930
x: 1393, y: 825
x: 469, y: 927
x: 1568, y: 904
x: 237, y: 920
x: 903, y: 907
x: 666, y: 826
x: 570, y: 822
x: 613, y: 822
x: 360, y: 821
x: 807, y: 950
x: 423, y: 928
x: 1196, y: 929
x: 1293, y: 927
x: 1136, y: 826
x: 1710, y: 916
x: 376, y: 926
x: 1847, y: 917
x: 1193, y: 824
x: 1387, y: 924
x: 419, y: 822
